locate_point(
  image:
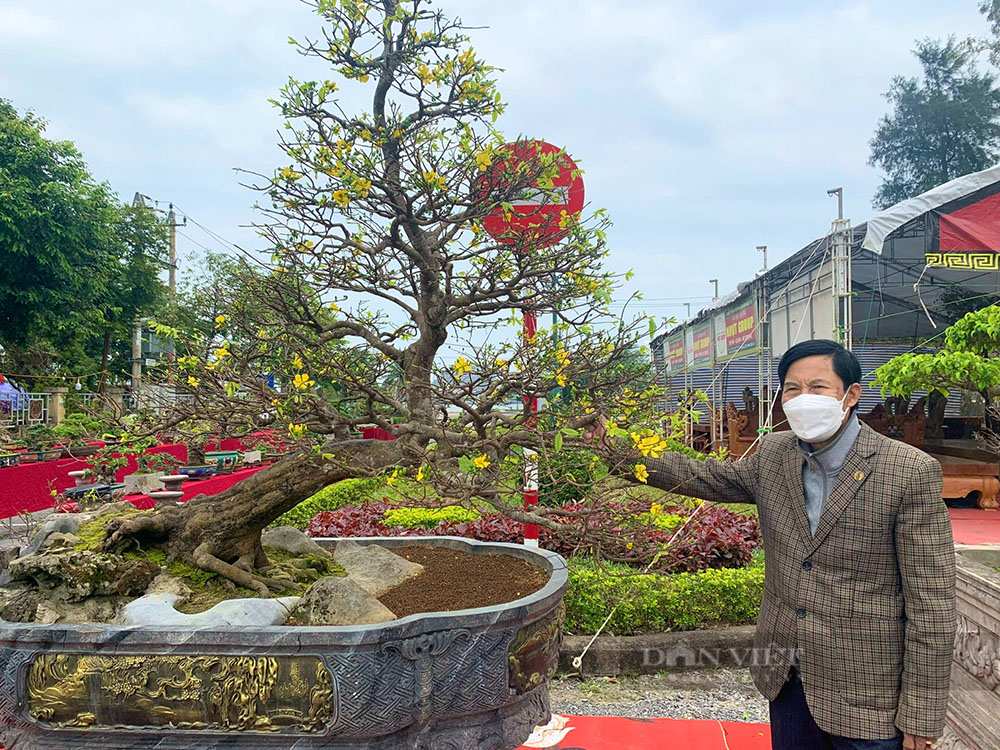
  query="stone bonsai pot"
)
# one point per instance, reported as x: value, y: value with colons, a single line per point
x: 974, y: 703
x: 474, y: 678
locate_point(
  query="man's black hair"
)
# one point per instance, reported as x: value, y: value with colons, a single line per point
x: 845, y: 364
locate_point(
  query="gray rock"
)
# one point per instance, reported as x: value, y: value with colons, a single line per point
x: 158, y: 609
x: 290, y: 539
x: 95, y: 609
x: 64, y: 523
x: 340, y: 601
x: 59, y: 539
x: 19, y: 603
x: 74, y: 575
x: 168, y: 584
x: 374, y: 568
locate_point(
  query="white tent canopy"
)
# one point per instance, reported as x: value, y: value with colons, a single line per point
x: 882, y: 224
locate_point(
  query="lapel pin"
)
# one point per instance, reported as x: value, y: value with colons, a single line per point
x: 859, y: 476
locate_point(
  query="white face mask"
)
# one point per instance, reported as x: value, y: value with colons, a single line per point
x: 814, y: 418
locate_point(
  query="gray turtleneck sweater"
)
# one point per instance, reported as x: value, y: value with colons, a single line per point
x: 820, y: 469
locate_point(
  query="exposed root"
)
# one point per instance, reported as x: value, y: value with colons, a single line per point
x: 205, y: 559
x: 120, y: 531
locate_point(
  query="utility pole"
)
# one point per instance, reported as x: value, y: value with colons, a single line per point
x: 763, y: 249
x: 136, y: 358
x: 172, y: 270
x: 840, y: 245
x: 688, y: 306
x: 715, y: 296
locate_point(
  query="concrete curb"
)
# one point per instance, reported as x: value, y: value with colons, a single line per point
x: 611, y: 656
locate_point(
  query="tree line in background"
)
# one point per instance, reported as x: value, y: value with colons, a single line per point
x: 77, y: 265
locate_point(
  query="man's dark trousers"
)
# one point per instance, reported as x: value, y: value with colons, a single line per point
x: 793, y: 727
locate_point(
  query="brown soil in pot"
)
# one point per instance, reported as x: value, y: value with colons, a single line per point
x: 460, y: 580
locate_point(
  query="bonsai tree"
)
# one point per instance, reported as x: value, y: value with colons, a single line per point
x: 384, y: 302
x: 967, y: 361
x: 154, y: 463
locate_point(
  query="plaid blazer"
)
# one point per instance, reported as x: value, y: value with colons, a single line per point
x: 867, y: 605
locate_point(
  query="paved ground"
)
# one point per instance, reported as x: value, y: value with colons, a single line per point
x: 722, y: 694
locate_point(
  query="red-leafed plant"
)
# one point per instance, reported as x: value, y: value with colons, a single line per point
x: 715, y: 537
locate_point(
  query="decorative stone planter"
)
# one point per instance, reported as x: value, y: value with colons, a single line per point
x: 974, y: 704
x: 79, y: 476
x: 197, y: 471
x: 30, y: 457
x: 223, y: 460
x: 475, y: 678
x: 79, y: 451
x: 142, y: 483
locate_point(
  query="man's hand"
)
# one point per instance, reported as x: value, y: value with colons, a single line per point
x: 597, y: 437
x: 915, y: 742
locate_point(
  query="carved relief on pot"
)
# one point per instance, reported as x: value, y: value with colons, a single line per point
x: 534, y: 655
x: 246, y: 693
x: 977, y: 650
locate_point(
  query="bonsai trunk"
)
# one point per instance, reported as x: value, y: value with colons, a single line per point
x: 221, y: 534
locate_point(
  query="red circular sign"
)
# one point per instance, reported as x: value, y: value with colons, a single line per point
x: 535, y: 217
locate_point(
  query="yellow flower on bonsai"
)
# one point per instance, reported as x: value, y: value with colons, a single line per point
x: 649, y: 443
x: 193, y: 381
x: 462, y: 366
x: 342, y: 198
x: 220, y: 321
x: 302, y: 382
x: 297, y: 362
x: 434, y: 180
x: 481, y: 461
x: 296, y: 430
x: 641, y: 472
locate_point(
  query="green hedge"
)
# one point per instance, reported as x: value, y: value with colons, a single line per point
x: 332, y: 497
x: 655, y: 603
x: 428, y: 518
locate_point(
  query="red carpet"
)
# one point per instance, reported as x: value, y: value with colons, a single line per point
x: 974, y: 526
x: 194, y: 487
x: 28, y: 487
x: 602, y: 733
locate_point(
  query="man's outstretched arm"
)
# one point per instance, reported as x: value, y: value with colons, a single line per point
x: 722, y: 481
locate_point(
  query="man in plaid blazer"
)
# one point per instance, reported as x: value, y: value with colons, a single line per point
x: 856, y: 629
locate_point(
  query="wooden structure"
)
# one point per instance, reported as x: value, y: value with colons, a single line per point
x: 969, y: 471
x: 897, y: 419
x: 742, y: 426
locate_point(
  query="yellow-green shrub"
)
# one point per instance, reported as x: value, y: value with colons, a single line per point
x: 428, y: 518
x: 332, y: 497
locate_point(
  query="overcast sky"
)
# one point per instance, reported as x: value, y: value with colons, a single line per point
x: 705, y: 128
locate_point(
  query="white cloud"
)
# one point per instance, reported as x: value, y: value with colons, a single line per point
x: 705, y: 128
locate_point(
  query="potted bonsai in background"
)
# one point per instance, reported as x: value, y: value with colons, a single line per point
x: 39, y: 440
x: 77, y: 434
x: 150, y: 467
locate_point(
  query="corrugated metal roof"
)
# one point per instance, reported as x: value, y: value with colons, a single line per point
x: 742, y: 372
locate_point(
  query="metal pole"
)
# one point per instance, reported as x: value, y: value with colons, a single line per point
x: 841, y: 240
x: 137, y: 358
x: 763, y: 249
x: 715, y: 296
x: 530, y: 456
x: 172, y: 270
